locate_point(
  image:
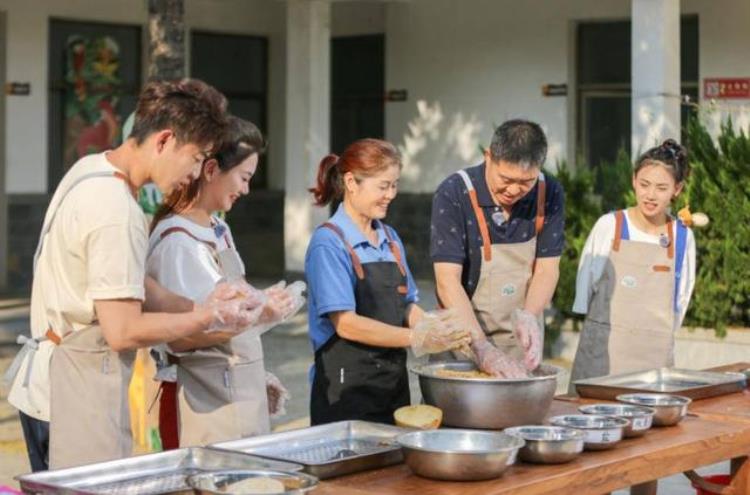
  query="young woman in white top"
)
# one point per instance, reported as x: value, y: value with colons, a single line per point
x: 221, y: 381
x: 636, y: 274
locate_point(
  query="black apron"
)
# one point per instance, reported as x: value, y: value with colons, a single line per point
x: 358, y: 381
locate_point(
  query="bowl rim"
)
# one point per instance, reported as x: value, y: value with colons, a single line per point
x: 639, y: 411
x: 510, y: 448
x: 420, y: 370
x: 619, y: 422
x: 633, y: 398
x: 576, y: 433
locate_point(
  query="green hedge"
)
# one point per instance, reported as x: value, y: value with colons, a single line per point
x: 718, y: 186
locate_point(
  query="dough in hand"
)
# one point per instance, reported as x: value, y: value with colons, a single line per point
x: 257, y: 485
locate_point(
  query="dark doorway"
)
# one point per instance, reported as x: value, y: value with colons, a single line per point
x: 357, y: 89
x: 236, y: 65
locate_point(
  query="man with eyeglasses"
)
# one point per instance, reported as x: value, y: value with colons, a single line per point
x: 496, y: 238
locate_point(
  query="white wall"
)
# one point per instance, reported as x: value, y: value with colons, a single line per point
x: 470, y: 64
x: 357, y: 18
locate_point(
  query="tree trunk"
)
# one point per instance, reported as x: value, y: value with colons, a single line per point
x: 166, y: 27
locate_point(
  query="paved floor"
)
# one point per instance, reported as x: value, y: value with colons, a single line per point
x: 287, y: 354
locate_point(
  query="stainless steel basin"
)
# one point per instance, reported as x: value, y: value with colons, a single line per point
x: 548, y: 444
x: 459, y: 455
x: 489, y: 403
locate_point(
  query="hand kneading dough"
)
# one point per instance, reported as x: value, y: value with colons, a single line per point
x: 253, y: 486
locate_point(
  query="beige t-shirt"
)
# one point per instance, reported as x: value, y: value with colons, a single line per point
x: 95, y: 249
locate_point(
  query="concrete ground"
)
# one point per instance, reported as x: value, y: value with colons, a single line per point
x: 287, y: 354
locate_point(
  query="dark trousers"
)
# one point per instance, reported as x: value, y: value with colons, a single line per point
x: 36, y: 434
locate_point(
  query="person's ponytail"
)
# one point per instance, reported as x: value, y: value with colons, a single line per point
x: 328, y: 185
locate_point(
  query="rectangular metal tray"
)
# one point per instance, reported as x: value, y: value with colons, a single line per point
x: 150, y: 474
x: 331, y: 450
x: 688, y: 383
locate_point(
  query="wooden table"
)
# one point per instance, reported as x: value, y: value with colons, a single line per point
x: 715, y: 430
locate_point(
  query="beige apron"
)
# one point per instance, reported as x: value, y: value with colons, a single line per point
x: 89, y: 415
x: 504, y: 276
x: 630, y: 323
x: 221, y: 390
x: 90, y: 418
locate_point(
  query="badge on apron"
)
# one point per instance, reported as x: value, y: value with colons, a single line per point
x: 629, y: 281
x: 663, y: 240
x: 508, y: 290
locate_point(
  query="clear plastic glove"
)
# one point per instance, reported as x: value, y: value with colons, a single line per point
x: 234, y: 306
x: 282, y: 303
x: 529, y: 337
x: 495, y: 362
x: 278, y: 395
x: 439, y: 331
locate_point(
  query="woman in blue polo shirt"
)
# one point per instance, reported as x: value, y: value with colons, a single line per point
x: 362, y: 297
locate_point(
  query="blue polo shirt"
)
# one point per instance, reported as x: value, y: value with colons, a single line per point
x: 455, y: 235
x: 330, y: 273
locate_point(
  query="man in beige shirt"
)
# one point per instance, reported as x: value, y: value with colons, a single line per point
x: 88, y: 290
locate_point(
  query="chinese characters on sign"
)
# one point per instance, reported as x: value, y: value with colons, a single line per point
x: 726, y: 88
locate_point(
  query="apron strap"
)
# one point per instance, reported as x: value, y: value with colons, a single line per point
x: 53, y: 337
x: 619, y: 223
x: 479, y: 214
x: 541, y: 198
x: 670, y: 234
x: 355, y: 259
x: 183, y: 230
x: 679, y: 260
x: 394, y: 250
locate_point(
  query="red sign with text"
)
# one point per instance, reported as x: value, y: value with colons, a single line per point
x: 738, y: 87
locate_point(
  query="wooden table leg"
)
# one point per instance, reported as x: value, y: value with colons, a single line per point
x: 647, y: 488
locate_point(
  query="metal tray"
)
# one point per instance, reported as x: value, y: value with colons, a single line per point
x: 688, y: 383
x: 150, y: 474
x: 330, y: 450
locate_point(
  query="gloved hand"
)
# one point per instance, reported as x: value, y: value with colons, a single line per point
x: 495, y: 362
x: 234, y: 305
x: 439, y: 331
x: 282, y: 303
x: 529, y: 337
x: 278, y: 395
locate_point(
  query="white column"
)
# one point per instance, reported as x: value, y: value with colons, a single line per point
x: 307, y: 120
x: 655, y: 72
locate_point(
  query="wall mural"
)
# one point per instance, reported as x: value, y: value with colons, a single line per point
x: 92, y: 76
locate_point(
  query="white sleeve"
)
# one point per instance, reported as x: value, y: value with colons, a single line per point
x: 593, y: 261
x: 687, y: 280
x: 181, y: 268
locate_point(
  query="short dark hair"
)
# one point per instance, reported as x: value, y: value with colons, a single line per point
x: 520, y: 142
x: 192, y: 109
x: 671, y: 155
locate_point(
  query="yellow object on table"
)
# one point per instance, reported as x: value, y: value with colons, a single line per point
x: 421, y: 416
